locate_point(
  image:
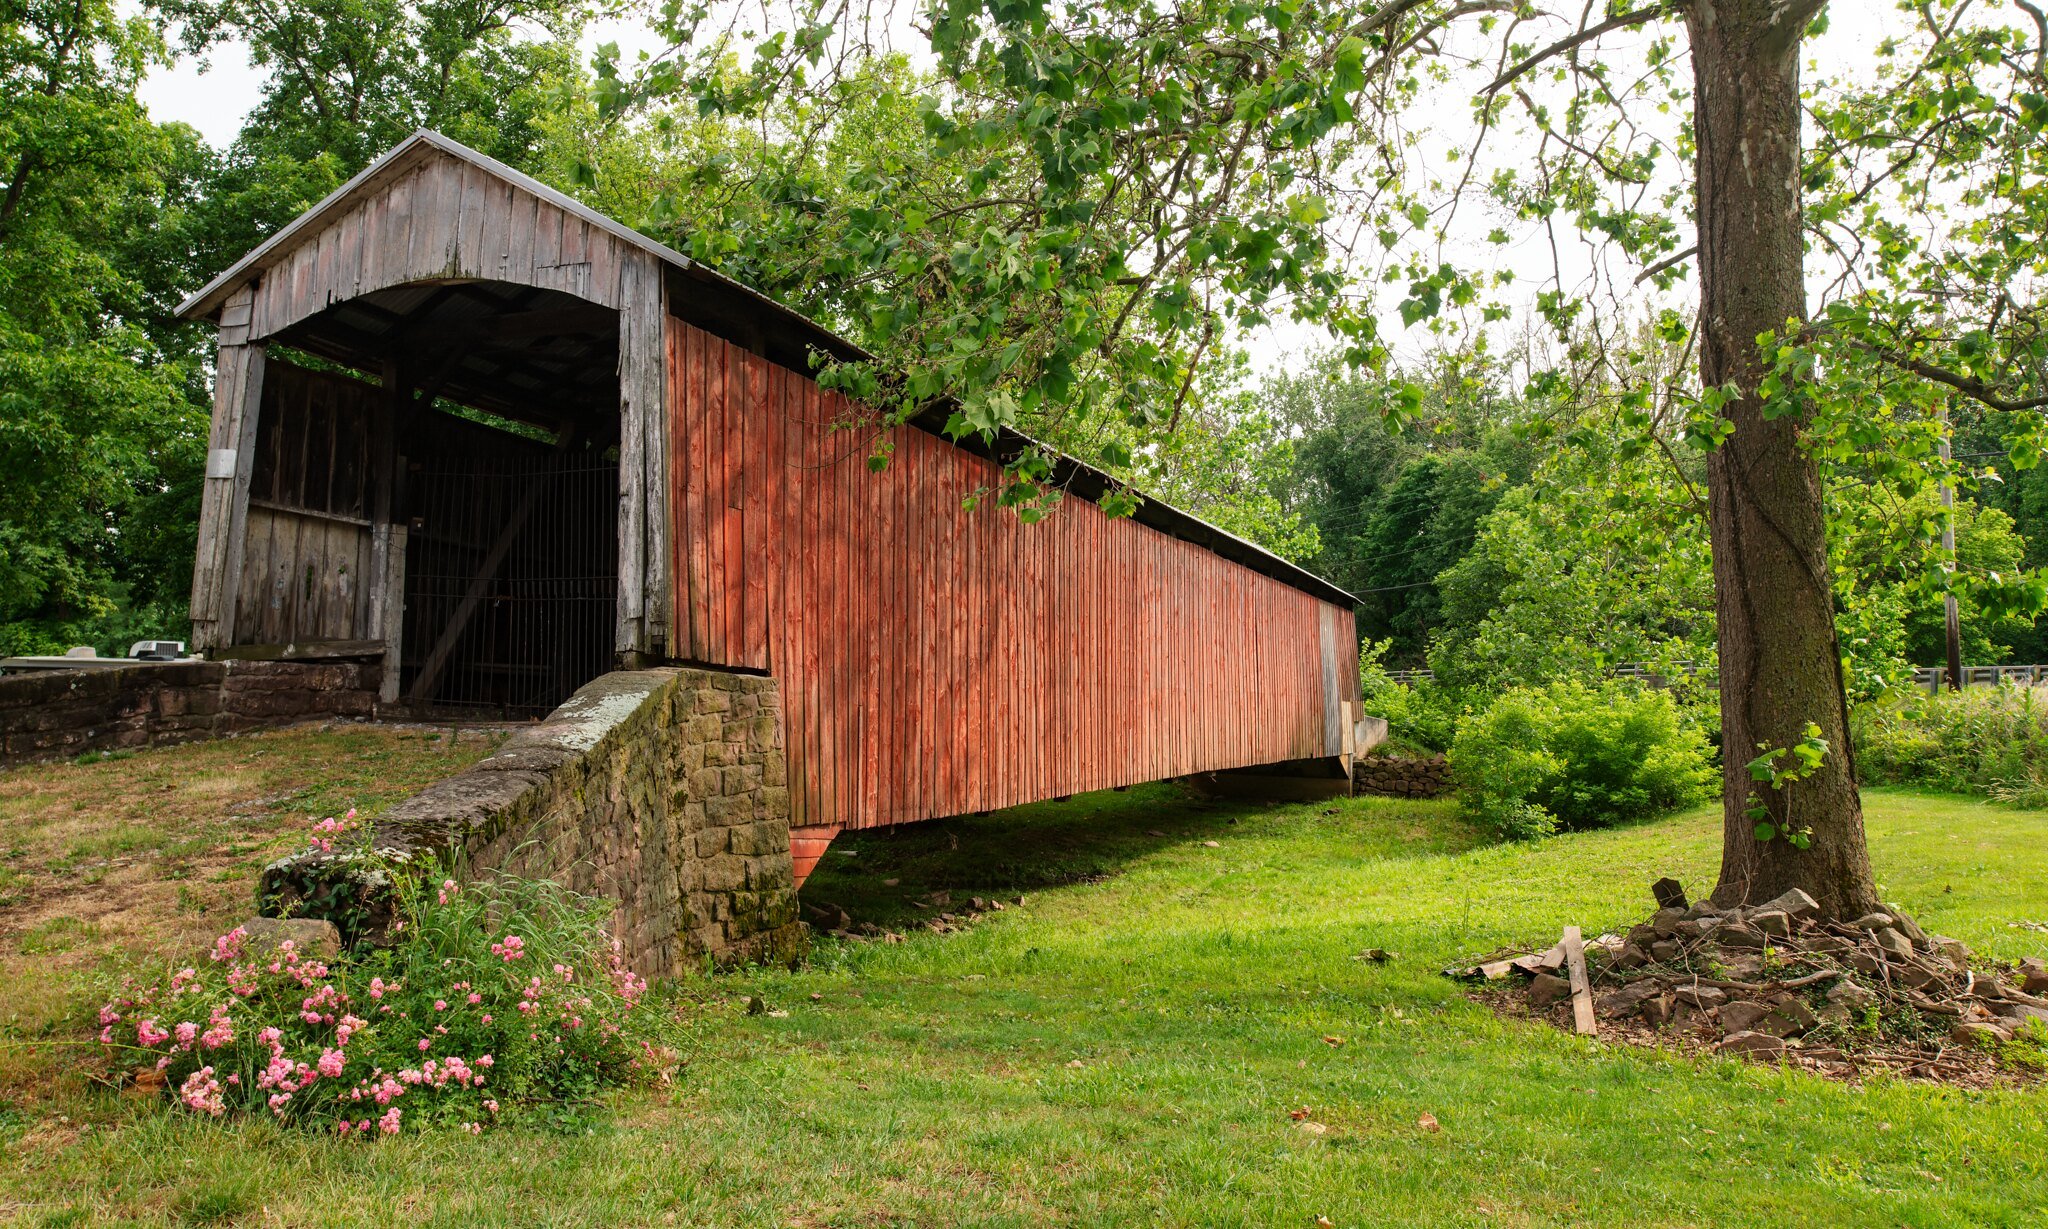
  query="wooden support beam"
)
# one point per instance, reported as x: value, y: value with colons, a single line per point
x: 385, y: 600
x: 391, y: 611
x: 300, y: 650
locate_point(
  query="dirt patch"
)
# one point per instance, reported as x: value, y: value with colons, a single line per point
x: 149, y: 851
x: 124, y: 862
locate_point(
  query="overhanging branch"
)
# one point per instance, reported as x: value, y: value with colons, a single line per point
x: 1970, y: 386
x: 1618, y: 21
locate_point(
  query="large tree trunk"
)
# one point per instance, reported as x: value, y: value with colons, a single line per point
x: 1781, y: 665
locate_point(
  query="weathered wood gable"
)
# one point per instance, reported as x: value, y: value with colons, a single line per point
x: 433, y: 211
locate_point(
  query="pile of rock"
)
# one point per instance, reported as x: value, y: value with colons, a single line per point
x: 1401, y: 776
x: 1775, y: 982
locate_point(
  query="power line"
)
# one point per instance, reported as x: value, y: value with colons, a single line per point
x: 1391, y: 588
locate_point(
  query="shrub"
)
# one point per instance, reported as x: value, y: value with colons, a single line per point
x: 494, y: 998
x: 1420, y: 715
x: 1566, y: 755
x: 1979, y: 740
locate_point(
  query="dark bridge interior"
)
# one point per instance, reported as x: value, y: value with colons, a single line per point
x: 504, y: 425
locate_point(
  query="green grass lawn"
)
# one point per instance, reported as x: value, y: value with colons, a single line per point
x: 1126, y: 1048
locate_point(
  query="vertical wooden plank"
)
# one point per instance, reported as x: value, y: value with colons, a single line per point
x: 672, y: 480
x: 650, y: 310
x: 469, y: 239
x: 884, y: 553
x: 393, y: 612
x: 846, y: 677
x: 547, y: 239
x: 520, y: 239
x: 795, y: 599
x: 713, y: 452
x: 686, y: 395
x: 817, y: 652
x: 606, y: 260
x: 703, y: 357
x: 757, y: 423
x: 630, y: 626
x: 974, y: 592
x: 230, y: 490
x: 402, y: 206
x: 817, y: 609
x: 732, y: 569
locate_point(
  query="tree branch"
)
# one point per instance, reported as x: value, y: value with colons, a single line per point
x: 1619, y: 21
x: 1666, y: 263
x: 1970, y: 386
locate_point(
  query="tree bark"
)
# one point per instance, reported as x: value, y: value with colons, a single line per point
x: 1781, y: 664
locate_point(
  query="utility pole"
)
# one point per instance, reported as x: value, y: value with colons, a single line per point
x: 1948, y: 563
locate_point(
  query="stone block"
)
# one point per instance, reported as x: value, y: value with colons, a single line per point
x: 722, y: 874
x: 758, y: 840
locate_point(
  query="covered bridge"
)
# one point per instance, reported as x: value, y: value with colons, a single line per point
x: 474, y: 434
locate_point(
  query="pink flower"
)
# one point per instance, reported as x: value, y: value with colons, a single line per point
x: 227, y: 949
x: 376, y: 987
x: 201, y: 1092
x: 220, y: 1030
x: 440, y: 1004
x: 331, y: 1063
x: 487, y: 1017
x: 389, y: 1122
x: 491, y: 1105
x: 424, y: 1043
x: 486, y: 1061
x: 147, y: 1033
x: 475, y: 998
x: 187, y: 1032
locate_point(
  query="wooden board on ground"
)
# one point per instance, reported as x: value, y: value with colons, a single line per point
x: 1582, y: 990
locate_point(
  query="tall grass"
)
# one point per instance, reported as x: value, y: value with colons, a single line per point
x: 1982, y: 740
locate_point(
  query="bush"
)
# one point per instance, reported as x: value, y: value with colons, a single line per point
x: 1571, y: 756
x: 1420, y: 716
x: 495, y: 998
x: 1979, y: 740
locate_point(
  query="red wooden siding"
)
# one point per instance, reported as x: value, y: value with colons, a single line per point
x: 936, y: 661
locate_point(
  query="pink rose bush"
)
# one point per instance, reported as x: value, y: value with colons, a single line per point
x: 452, y: 1025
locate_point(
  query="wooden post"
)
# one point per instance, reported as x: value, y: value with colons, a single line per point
x: 391, y: 609
x: 1951, y: 617
x: 386, y: 603
x: 231, y: 452
x: 644, y: 602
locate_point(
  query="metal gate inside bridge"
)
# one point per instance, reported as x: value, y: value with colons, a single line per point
x: 511, y: 581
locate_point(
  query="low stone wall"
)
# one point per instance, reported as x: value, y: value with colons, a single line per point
x: 663, y: 789
x: 1401, y: 776
x: 56, y: 714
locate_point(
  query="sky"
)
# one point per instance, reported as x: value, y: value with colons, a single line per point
x: 216, y: 95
